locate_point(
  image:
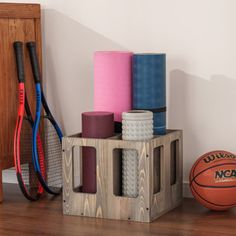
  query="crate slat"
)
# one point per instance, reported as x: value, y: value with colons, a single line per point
x: 105, y: 203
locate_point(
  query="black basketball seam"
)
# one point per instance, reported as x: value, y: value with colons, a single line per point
x: 210, y: 186
x: 200, y: 158
x: 211, y: 168
x: 231, y: 205
x: 193, y: 180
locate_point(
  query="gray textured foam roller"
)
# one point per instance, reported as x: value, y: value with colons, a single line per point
x: 136, y: 126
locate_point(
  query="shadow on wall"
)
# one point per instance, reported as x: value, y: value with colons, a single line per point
x: 205, y: 110
x: 68, y: 67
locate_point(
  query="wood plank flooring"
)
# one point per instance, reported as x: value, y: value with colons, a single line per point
x: 20, y: 217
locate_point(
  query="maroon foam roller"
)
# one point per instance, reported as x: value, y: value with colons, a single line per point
x: 98, y: 124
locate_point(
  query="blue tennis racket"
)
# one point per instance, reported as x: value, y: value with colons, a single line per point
x: 51, y: 134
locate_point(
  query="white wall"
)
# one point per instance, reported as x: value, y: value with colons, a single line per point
x: 197, y: 36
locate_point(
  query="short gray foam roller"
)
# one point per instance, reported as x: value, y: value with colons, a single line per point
x: 136, y: 126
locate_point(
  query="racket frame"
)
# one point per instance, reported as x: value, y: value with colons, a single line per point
x: 40, y: 102
x: 23, y: 108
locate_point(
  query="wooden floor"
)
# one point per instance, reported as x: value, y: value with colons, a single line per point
x: 20, y: 217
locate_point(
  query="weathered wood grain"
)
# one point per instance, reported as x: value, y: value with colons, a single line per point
x: 84, y: 203
x: 107, y: 203
x: 126, y: 208
x: 19, y: 10
x: 170, y: 196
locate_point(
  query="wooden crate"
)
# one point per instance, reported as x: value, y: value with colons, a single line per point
x: 153, y: 200
x: 18, y: 22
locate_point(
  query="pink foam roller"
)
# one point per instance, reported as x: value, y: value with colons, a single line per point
x: 112, y: 82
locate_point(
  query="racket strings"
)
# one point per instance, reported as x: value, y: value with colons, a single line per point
x: 52, y: 152
x: 29, y: 177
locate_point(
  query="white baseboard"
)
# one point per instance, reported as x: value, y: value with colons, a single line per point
x: 9, y: 176
x: 186, y: 190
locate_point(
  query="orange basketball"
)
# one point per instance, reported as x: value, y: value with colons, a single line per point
x: 213, y: 180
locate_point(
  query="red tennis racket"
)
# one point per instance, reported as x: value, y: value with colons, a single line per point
x: 24, y: 165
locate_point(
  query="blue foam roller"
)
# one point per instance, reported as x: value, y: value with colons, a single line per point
x: 149, y: 87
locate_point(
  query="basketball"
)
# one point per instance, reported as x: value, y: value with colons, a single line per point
x: 213, y: 180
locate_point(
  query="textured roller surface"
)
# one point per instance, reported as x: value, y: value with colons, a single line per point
x: 112, y: 82
x: 136, y: 126
x: 129, y: 173
x: 149, y: 87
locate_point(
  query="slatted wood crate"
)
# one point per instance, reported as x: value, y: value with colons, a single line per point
x: 160, y: 178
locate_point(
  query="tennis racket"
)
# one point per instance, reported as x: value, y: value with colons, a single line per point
x: 27, y: 179
x: 52, y: 134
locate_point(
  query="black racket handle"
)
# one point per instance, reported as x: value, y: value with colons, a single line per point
x: 34, y: 61
x: 18, y: 48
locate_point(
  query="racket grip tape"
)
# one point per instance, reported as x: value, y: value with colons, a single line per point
x: 34, y: 61
x: 18, y: 48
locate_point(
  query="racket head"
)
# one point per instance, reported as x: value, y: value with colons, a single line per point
x: 51, y: 176
x: 51, y: 180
